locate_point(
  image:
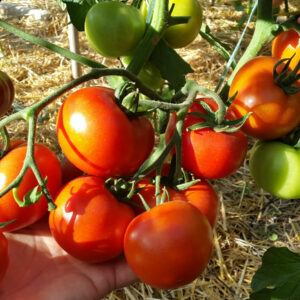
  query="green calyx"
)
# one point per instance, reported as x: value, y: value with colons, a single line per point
x: 286, y: 78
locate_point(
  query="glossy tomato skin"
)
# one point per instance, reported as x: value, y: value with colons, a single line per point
x: 89, y: 223
x: 7, y: 93
x: 286, y: 45
x: 4, y: 258
x: 207, y: 153
x: 10, y: 166
x: 98, y: 138
x: 113, y: 28
x: 273, y: 112
x: 169, y: 245
x: 275, y: 167
x: 181, y: 35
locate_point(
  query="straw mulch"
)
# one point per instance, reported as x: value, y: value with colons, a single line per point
x: 250, y: 220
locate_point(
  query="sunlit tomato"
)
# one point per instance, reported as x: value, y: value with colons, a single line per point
x: 178, y: 36
x: 113, y: 28
x: 4, y: 259
x: 98, y: 138
x: 205, y: 152
x: 169, y: 245
x: 89, y: 223
x: 7, y: 93
x: 287, y: 44
x: 10, y: 166
x: 275, y: 167
x: 274, y: 113
x: 201, y: 194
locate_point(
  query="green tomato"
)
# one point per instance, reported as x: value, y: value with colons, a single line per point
x: 114, y: 29
x: 178, y: 36
x: 149, y: 74
x: 275, y: 167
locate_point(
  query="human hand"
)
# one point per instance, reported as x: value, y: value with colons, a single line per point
x: 40, y: 270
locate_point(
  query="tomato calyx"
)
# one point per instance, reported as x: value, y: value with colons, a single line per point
x: 211, y: 119
x: 286, y: 78
x: 292, y: 138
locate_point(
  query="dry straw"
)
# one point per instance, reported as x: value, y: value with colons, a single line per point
x: 249, y: 217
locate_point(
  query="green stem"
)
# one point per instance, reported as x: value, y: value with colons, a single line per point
x: 265, y: 30
x: 62, y: 51
x: 152, y: 36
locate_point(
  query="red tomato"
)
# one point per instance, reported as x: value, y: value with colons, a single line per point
x: 205, y: 152
x: 4, y: 259
x: 287, y: 44
x: 89, y: 223
x: 274, y: 113
x: 169, y: 245
x: 69, y: 171
x: 201, y: 194
x: 10, y: 166
x: 98, y: 138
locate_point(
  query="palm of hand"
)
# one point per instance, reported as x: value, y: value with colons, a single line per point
x: 40, y: 270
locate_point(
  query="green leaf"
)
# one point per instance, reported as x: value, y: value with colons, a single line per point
x: 222, y: 48
x: 171, y: 66
x: 278, y: 277
x: 77, y: 10
x: 7, y: 223
x: 61, y: 4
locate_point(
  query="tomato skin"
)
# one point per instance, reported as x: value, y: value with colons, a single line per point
x: 98, y: 138
x: 10, y: 166
x: 275, y: 167
x: 89, y: 223
x: 69, y: 171
x: 273, y: 112
x: 179, y: 36
x: 113, y: 28
x: 7, y: 93
x: 4, y: 258
x: 229, y: 149
x: 169, y: 245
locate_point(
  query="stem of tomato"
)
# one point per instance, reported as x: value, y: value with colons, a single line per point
x: 155, y: 31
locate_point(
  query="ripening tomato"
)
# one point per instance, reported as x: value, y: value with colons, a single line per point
x: 89, y: 223
x: 275, y: 167
x: 178, y: 36
x: 274, y: 113
x: 201, y: 194
x: 287, y: 44
x: 206, y: 153
x: 4, y: 258
x: 7, y: 93
x: 169, y: 245
x: 10, y: 166
x: 98, y: 138
x: 113, y: 28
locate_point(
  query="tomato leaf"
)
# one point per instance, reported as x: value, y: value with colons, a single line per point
x: 7, y: 223
x: 278, y: 277
x: 171, y: 66
x: 77, y: 10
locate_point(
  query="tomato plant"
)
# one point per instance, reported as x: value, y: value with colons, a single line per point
x: 98, y: 138
x: 10, y: 166
x: 113, y: 28
x: 275, y: 167
x: 180, y: 35
x: 4, y: 258
x: 169, y: 245
x: 89, y: 223
x: 274, y: 113
x: 7, y: 93
x: 229, y: 149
